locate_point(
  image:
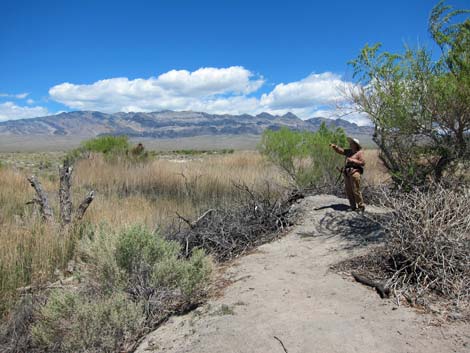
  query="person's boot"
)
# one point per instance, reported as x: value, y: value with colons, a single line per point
x: 360, y: 209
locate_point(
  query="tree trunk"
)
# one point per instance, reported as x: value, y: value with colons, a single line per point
x: 65, y: 199
x: 45, y: 209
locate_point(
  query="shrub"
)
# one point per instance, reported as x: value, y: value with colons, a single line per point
x: 186, y: 275
x: 107, y: 144
x: 425, y: 256
x: 137, y: 247
x: 98, y: 250
x: 142, y: 262
x: 196, y: 272
x: 130, y: 281
x: 72, y: 323
x: 305, y: 156
x: 110, y: 146
x: 428, y: 243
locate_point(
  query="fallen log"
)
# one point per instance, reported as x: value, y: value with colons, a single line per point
x: 383, y: 291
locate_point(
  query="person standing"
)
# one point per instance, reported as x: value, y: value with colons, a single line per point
x: 352, y: 172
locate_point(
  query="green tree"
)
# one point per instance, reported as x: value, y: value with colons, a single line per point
x: 420, y: 106
x: 305, y: 156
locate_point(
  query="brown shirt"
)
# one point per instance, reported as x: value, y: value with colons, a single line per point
x: 356, y: 160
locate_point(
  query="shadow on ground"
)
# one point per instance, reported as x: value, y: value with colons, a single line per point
x: 357, y: 229
x: 337, y: 207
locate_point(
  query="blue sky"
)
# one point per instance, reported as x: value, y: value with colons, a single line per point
x: 218, y: 56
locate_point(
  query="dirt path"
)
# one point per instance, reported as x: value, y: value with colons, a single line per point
x: 285, y: 295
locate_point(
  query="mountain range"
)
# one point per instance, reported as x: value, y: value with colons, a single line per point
x: 166, y: 124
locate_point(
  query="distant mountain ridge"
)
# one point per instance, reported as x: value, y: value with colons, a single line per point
x: 166, y: 124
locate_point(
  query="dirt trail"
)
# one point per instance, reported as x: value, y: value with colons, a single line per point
x: 285, y: 294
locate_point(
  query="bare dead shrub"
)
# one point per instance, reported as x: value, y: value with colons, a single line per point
x: 426, y: 252
x: 229, y: 231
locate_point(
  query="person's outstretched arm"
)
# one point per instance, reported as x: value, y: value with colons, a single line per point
x: 337, y: 149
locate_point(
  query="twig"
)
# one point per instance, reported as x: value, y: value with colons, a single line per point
x: 204, y: 215
x: 282, y: 344
x: 196, y: 222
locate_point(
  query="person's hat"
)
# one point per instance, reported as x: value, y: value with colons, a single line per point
x: 356, y: 141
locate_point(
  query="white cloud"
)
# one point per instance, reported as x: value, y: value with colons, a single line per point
x: 17, y: 96
x: 11, y: 111
x: 229, y: 90
x: 176, y: 89
x: 314, y: 90
x: 210, y: 81
x: 360, y: 119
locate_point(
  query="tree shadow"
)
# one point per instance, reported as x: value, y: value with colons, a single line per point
x: 356, y: 229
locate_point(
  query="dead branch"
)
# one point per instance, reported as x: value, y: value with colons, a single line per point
x: 65, y: 199
x: 33, y: 202
x: 282, y: 344
x: 185, y: 220
x: 61, y: 283
x: 383, y: 291
x: 46, y: 210
x: 227, y: 232
x: 197, y: 221
x: 84, y: 205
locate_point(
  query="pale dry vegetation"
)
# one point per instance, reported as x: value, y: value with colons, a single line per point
x: 153, y: 192
x: 163, y: 194
x: 149, y: 193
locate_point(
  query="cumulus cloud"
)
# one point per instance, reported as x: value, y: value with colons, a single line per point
x: 232, y: 90
x: 176, y: 89
x: 314, y: 90
x: 11, y: 111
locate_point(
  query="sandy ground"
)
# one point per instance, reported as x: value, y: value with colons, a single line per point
x: 285, y: 298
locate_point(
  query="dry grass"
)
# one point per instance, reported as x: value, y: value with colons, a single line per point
x: 153, y: 192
